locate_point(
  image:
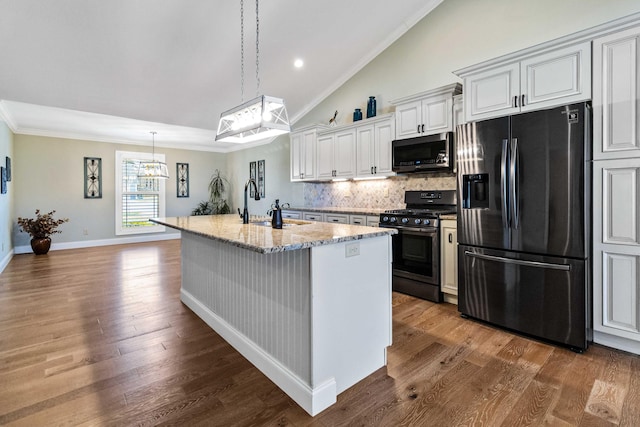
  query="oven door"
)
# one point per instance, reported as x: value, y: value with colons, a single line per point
x: 416, y: 254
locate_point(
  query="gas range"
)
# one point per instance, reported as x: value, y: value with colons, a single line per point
x: 423, y: 209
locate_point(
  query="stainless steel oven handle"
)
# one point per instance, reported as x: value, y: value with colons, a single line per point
x: 513, y: 183
x: 563, y: 267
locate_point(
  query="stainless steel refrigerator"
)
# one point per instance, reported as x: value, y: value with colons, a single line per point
x: 523, y: 223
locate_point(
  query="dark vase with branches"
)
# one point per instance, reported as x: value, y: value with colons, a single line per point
x: 40, y: 228
x: 217, y: 203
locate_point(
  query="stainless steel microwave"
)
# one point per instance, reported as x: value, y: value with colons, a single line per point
x: 431, y: 153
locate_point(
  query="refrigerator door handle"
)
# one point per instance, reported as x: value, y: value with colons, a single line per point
x: 503, y: 183
x: 564, y: 267
x: 513, y: 182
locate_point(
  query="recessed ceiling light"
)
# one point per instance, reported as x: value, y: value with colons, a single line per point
x: 298, y: 63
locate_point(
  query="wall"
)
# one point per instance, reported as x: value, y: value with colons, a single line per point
x: 6, y: 200
x: 458, y: 33
x: 49, y: 175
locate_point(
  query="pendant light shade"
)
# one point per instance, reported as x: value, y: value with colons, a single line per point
x: 262, y: 117
x: 153, y: 168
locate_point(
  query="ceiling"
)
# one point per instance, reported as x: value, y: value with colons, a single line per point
x: 115, y: 70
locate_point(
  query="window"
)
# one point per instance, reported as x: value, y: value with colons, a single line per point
x: 137, y: 199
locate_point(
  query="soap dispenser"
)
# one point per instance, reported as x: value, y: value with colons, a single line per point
x: 276, y: 215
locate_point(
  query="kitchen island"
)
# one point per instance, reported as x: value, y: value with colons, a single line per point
x: 309, y: 305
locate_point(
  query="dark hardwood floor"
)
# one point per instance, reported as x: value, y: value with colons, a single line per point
x: 99, y: 336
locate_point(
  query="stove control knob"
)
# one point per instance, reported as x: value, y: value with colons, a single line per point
x: 426, y: 222
x: 385, y: 219
x: 417, y: 221
x: 392, y: 219
x: 405, y: 220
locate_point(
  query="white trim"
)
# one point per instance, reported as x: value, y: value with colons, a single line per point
x: 616, y: 342
x: 313, y: 400
x: 102, y: 242
x: 6, y: 260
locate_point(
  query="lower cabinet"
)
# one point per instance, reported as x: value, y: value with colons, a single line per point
x: 449, y: 260
x: 291, y: 214
x: 314, y: 216
x: 616, y: 253
x: 337, y: 218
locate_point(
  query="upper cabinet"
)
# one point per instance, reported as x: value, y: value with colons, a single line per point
x: 534, y: 80
x: 303, y: 154
x: 373, y: 147
x: 616, y: 91
x: 426, y: 113
x: 336, y: 154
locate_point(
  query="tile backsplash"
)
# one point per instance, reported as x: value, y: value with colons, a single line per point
x: 385, y: 193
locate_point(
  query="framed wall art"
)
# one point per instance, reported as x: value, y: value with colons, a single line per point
x: 182, y: 179
x: 252, y: 175
x: 8, y: 168
x: 260, y: 180
x: 3, y: 180
x: 92, y: 178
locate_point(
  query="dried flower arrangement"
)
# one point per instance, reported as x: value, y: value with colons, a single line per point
x: 42, y: 226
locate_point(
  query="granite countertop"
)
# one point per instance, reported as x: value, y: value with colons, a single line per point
x: 294, y: 235
x: 341, y: 210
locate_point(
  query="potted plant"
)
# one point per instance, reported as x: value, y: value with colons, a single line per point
x: 217, y: 204
x: 40, y: 228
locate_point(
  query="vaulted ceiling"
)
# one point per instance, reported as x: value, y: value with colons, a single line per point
x: 115, y: 70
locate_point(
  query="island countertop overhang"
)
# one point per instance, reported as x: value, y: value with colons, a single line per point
x: 256, y: 236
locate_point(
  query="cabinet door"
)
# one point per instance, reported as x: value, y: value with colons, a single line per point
x: 365, y: 155
x: 458, y: 111
x: 357, y: 220
x: 616, y: 277
x: 436, y: 115
x: 449, y: 253
x: 337, y: 218
x: 491, y: 93
x: 344, y: 153
x: 384, y: 133
x: 314, y: 216
x: 556, y: 78
x: 409, y: 120
x: 308, y: 155
x: 324, y: 156
x: 296, y: 156
x: 616, y: 90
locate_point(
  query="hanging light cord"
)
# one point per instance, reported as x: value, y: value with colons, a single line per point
x: 153, y: 146
x: 257, y: 51
x: 242, y: 50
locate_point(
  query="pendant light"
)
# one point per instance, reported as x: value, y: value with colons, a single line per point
x: 260, y: 118
x: 153, y: 168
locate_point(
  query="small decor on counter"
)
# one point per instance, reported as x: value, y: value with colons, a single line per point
x: 276, y: 215
x: 371, y: 107
x: 40, y: 228
x: 332, y: 121
x: 357, y: 115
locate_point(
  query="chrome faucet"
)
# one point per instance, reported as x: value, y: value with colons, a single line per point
x: 245, y: 213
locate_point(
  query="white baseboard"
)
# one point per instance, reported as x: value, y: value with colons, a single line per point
x: 313, y: 400
x: 5, y: 261
x: 616, y: 342
x: 103, y: 242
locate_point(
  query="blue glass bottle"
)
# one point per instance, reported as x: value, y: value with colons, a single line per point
x: 357, y: 115
x: 371, y: 107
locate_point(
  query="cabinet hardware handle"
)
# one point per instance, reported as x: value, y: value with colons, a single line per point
x: 371, y: 170
x: 422, y: 128
x: 418, y: 130
x: 522, y: 101
x: 515, y: 101
x: 450, y: 238
x: 375, y: 169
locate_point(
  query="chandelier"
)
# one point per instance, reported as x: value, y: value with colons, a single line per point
x: 153, y: 168
x: 260, y: 118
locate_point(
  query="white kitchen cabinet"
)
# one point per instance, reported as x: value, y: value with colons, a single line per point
x: 616, y: 91
x: 616, y: 296
x: 336, y: 218
x: 291, y: 214
x: 426, y: 113
x: 373, y: 220
x: 314, y: 216
x: 303, y: 154
x: 373, y: 147
x: 537, y: 80
x: 336, y: 154
x: 449, y: 257
x: 358, y: 219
